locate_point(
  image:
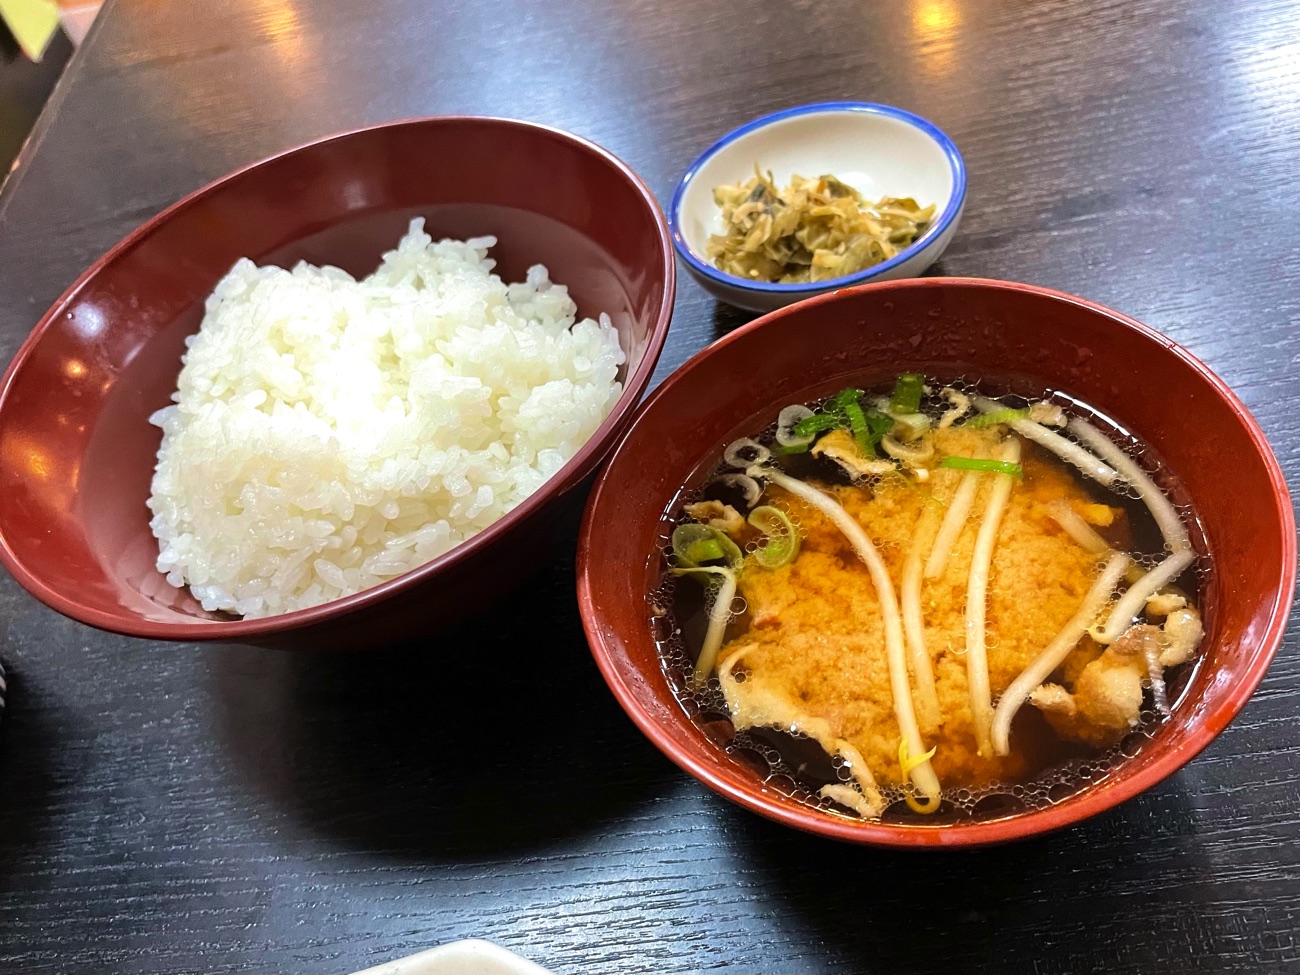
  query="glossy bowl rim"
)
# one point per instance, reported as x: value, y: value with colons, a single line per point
x: 1088, y: 802
x: 951, y: 211
x: 579, y: 466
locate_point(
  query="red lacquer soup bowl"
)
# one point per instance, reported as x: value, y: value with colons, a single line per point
x: 1009, y: 335
x: 77, y: 451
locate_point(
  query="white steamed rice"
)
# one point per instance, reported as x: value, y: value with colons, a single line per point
x: 329, y: 434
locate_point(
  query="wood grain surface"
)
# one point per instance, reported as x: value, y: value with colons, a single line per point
x: 196, y: 809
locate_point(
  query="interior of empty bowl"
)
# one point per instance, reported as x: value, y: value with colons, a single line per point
x: 76, y: 446
x: 878, y: 153
x: 1008, y: 338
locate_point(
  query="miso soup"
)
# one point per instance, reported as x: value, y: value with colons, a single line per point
x: 928, y: 599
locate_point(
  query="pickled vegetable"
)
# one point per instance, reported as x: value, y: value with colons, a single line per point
x: 815, y: 229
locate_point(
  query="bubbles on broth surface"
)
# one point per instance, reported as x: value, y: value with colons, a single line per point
x: 796, y: 767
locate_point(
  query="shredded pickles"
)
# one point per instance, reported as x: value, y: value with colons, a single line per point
x: 813, y: 230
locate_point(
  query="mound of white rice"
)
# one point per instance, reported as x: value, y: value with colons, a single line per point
x: 329, y: 434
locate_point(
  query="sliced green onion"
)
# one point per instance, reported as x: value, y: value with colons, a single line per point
x: 782, y: 542
x: 841, y: 399
x: 986, y: 420
x: 703, y: 550
x: 694, y: 543
x: 785, y: 450
x: 878, y: 425
x: 785, y: 423
x: 816, y: 423
x: 980, y: 464
x: 745, y: 452
x: 907, y: 393
x: 847, y: 401
x: 844, y: 410
x: 858, y: 427
x: 910, y: 426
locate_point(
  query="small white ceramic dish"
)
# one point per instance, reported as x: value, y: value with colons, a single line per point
x: 471, y: 957
x: 876, y: 149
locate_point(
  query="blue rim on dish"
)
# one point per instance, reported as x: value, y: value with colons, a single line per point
x: 937, y: 227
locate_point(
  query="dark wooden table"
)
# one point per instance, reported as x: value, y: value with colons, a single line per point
x: 183, y: 809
